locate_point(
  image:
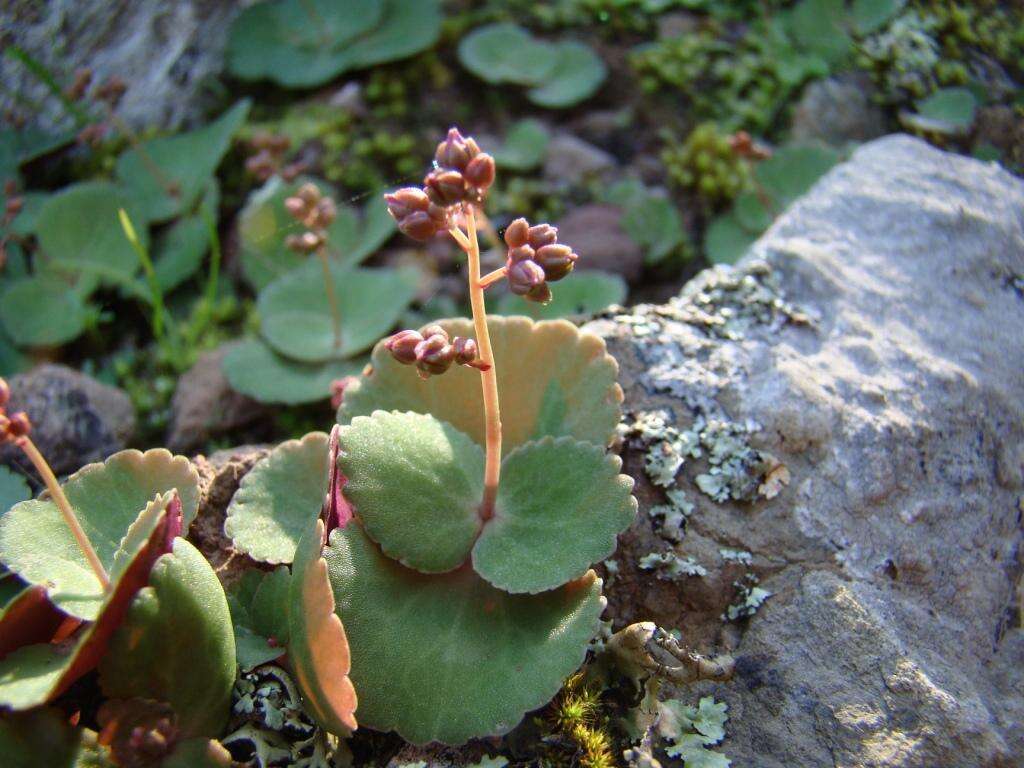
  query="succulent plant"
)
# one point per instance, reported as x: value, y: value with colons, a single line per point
x: 458, y: 539
x: 316, y: 314
x: 305, y: 43
x: 102, y: 579
x: 559, y: 74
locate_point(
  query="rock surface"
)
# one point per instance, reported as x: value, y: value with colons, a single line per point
x: 571, y: 160
x: 206, y: 407
x: 855, y: 389
x: 165, y: 51
x: 75, y: 419
x: 595, y: 232
x: 837, y: 110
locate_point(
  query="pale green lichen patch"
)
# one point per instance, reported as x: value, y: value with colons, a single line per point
x: 271, y: 728
x: 670, y: 519
x: 671, y: 566
x: 685, y: 732
x: 750, y: 598
x: 736, y: 556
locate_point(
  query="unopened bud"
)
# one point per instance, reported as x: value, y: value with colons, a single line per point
x: 445, y: 187
x: 522, y: 253
x: 296, y: 207
x: 326, y: 212
x: 19, y: 425
x: 480, y: 171
x: 541, y: 235
x: 517, y: 233
x: 14, y: 205
x: 524, y: 276
x: 292, y: 171
x: 112, y: 90
x: 419, y: 226
x: 405, y: 201
x: 465, y: 350
x: 556, y: 260
x: 278, y: 143
x: 540, y: 294
x: 311, y: 241
x: 434, y: 330
x: 434, y: 355
x: 309, y: 193
x: 5, y: 393
x: 261, y: 165
x: 453, y: 152
x: 78, y: 87
x: 402, y: 346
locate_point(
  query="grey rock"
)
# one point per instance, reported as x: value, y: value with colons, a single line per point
x: 206, y: 407
x: 571, y: 160
x: 75, y: 419
x: 871, y: 346
x: 595, y: 232
x: 837, y: 110
x: 166, y: 52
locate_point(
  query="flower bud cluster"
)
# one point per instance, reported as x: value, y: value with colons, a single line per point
x: 267, y: 159
x: 12, y: 426
x: 535, y: 258
x: 432, y: 351
x: 461, y: 173
x: 743, y: 144
x: 315, y: 211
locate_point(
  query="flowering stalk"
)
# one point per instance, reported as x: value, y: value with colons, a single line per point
x: 15, y: 429
x: 488, y: 376
x: 451, y: 194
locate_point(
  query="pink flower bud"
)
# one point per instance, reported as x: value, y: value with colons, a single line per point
x: 326, y: 212
x: 465, y: 350
x: 296, y: 207
x: 309, y: 193
x: 522, y: 253
x: 556, y: 260
x: 541, y: 235
x: 445, y: 187
x: 19, y: 425
x: 540, y: 294
x: 453, y: 151
x: 434, y: 355
x: 5, y: 393
x: 434, y: 330
x: 516, y: 233
x: 402, y: 346
x: 418, y: 225
x: 524, y: 276
x: 480, y: 171
x: 405, y: 201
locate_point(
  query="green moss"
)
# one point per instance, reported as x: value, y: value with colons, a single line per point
x: 705, y: 165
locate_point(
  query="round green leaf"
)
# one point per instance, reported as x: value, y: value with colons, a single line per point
x: 583, y: 293
x: 577, y: 74
x: 792, y: 170
x: 36, y: 544
x: 41, y: 737
x: 259, y: 616
x: 871, y: 15
x: 254, y: 369
x: 561, y: 504
x: 727, y: 240
x: 176, y: 645
x: 953, y: 107
x: 507, y: 53
x: 449, y: 657
x: 277, y: 498
x: 13, y: 488
x: 186, y: 161
x: 406, y: 28
x: 35, y: 674
x: 819, y: 27
x: 553, y: 379
x: 318, y: 651
x: 295, y: 313
x: 416, y: 483
x: 751, y: 213
x: 297, y: 43
x: 264, y: 224
x: 41, y: 311
x: 79, y: 230
x: 525, y: 147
